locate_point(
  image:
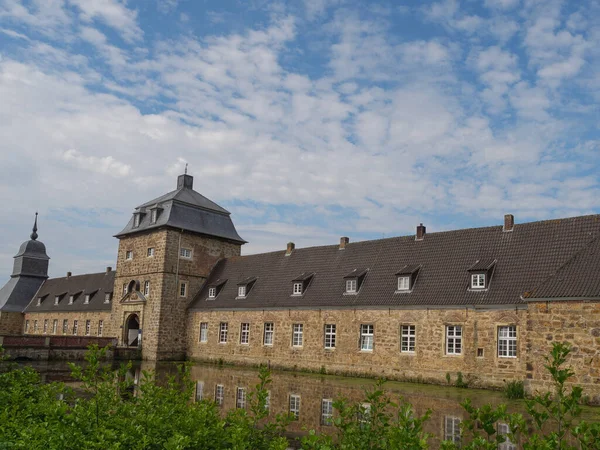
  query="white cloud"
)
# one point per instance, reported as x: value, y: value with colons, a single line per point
x: 112, y: 13
x: 106, y: 165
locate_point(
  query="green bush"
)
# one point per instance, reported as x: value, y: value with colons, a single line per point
x: 514, y: 390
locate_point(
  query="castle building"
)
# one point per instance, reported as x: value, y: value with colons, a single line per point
x: 484, y: 302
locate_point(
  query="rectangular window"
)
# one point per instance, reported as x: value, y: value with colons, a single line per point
x: 403, y: 283
x: 507, y: 341
x: 366, y: 338
x: 330, y: 335
x: 35, y: 326
x: 241, y: 291
x: 204, y: 332
x: 478, y: 281
x: 183, y: 290
x: 75, y: 323
x: 71, y: 298
x: 107, y: 297
x: 65, y: 326
x: 153, y: 215
x: 453, y: 340
x: 26, y: 326
x: 87, y: 299
x: 88, y: 327
x: 45, y: 326
x: 100, y: 327
x: 295, y: 406
x: 136, y: 220
x: 150, y: 252
x: 56, y: 300
x: 223, y: 333
x: 129, y: 254
x: 219, y: 394
x: 327, y: 412
x: 350, y: 285
x: 212, y: 292
x: 54, y: 326
x: 185, y: 253
x: 245, y: 333
x: 269, y: 333
x: 146, y: 288
x: 408, y: 339
x: 297, y: 334
x: 240, y: 398
x: 297, y: 289
x: 199, y: 390
x: 39, y: 301
x: 452, y: 429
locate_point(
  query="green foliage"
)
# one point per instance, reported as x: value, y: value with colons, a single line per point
x: 448, y: 378
x: 460, y: 383
x: 514, y: 390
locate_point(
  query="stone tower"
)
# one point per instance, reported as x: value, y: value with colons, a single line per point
x: 166, y: 252
x: 30, y: 270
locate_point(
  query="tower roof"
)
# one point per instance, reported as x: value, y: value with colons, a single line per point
x: 184, y: 209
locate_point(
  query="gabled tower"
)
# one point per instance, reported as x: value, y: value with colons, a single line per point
x: 30, y: 270
x: 166, y: 252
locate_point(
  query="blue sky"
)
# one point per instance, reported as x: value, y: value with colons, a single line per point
x: 308, y: 120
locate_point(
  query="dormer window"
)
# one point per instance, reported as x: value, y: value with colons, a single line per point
x: 215, y: 287
x: 86, y: 300
x: 403, y: 283
x: 241, y: 291
x: 245, y: 286
x: 478, y: 281
x: 297, y: 289
x: 71, y: 298
x: 212, y: 292
x: 351, y: 286
x: 153, y: 215
x: 300, y: 284
x: 107, y: 297
x: 39, y: 301
x: 56, y: 300
x: 480, y: 274
x: 136, y: 220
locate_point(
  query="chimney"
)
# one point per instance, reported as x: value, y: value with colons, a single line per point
x: 108, y: 269
x: 185, y: 181
x: 509, y: 222
x: 69, y: 274
x: 420, y: 232
x: 343, y: 242
x: 290, y: 248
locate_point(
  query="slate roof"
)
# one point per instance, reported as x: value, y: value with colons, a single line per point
x: 579, y: 277
x: 525, y: 257
x: 185, y: 209
x: 96, y: 284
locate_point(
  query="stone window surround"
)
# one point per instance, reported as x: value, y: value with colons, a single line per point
x: 453, y: 334
x: 367, y: 337
x: 268, y: 334
x: 294, y: 403
x: 223, y: 331
x: 183, y: 289
x: 297, y: 335
x: 326, y: 412
x: 186, y: 253
x: 245, y: 333
x: 240, y: 398
x: 150, y: 252
x: 203, y: 337
x: 219, y: 394
x: 128, y: 255
x: 330, y: 335
x: 199, y: 390
x: 508, y: 339
x: 408, y: 338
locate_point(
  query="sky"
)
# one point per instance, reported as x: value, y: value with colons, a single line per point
x: 308, y: 120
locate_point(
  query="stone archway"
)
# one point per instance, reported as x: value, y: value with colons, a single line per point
x: 132, y: 331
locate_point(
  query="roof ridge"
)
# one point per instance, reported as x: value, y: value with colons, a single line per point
x: 81, y: 275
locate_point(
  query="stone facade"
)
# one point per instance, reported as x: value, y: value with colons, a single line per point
x: 11, y: 322
x: 162, y: 313
x: 81, y: 317
x: 479, y: 361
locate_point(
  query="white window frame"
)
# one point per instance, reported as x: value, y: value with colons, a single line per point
x: 35, y: 326
x: 297, y: 289
x: 86, y: 300
x: 75, y: 327
x: 54, y: 326
x: 128, y: 255
x: 136, y: 220
x: 65, y: 326
x: 268, y: 334
x: 367, y: 337
x: 507, y: 341
x: 71, y: 299
x: 404, y: 283
x: 56, y: 300
x: 26, y: 327
x: 452, y: 430
x: 185, y: 253
x: 327, y: 412
x: 364, y: 413
x: 242, y: 291
x: 454, y: 340
x: 183, y: 289
x: 504, y: 430
x: 408, y: 338
x: 240, y: 398
x: 295, y: 406
x: 245, y: 333
x: 223, y: 331
x: 212, y: 292
x: 45, y: 326
x: 100, y: 328
x: 107, y: 297
x: 219, y: 394
x: 351, y: 286
x: 330, y: 335
x: 199, y: 390
x: 268, y: 401
x: 39, y: 301
x: 297, y: 335
x: 203, y: 332
x: 147, y: 287
x: 153, y: 215
x: 88, y: 327
x: 150, y: 252
x: 478, y: 281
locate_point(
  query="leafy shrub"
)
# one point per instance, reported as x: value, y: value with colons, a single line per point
x: 514, y: 390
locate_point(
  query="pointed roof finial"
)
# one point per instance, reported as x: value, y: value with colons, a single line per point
x: 34, y: 235
x: 186, y: 168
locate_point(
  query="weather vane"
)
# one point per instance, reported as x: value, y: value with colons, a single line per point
x: 186, y: 168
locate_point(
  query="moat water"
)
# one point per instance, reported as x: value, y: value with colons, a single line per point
x: 308, y: 393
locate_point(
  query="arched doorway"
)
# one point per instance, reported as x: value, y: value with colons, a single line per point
x: 132, y: 331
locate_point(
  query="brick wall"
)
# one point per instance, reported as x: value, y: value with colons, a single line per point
x: 11, y: 322
x: 429, y: 362
x: 93, y: 316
